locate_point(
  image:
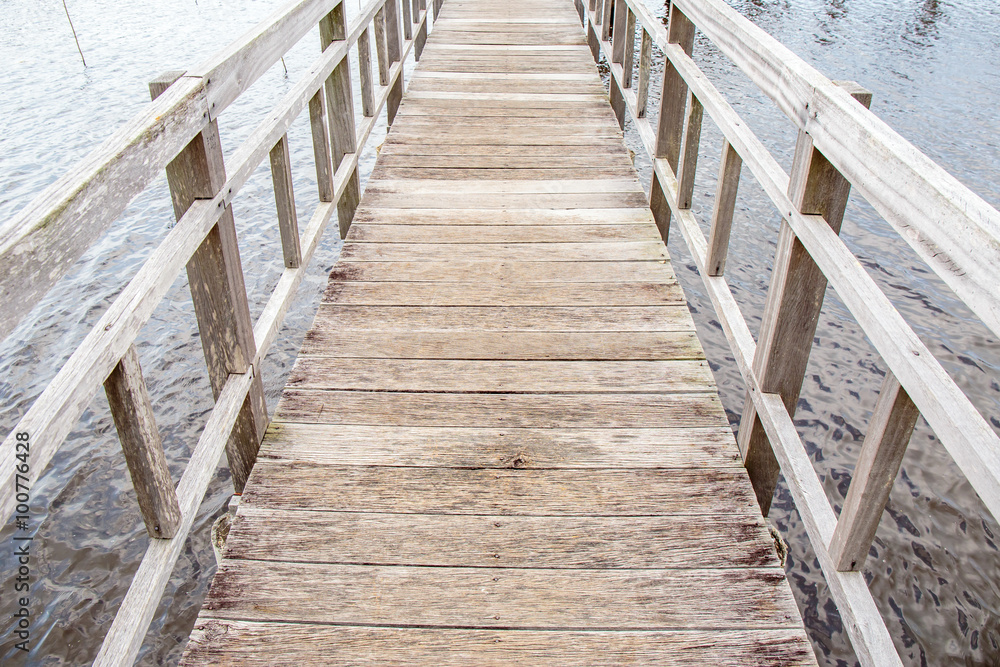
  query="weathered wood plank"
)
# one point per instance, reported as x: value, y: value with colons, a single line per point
x: 492, y: 294
x: 227, y: 642
x: 498, y: 272
x: 501, y: 541
x: 284, y: 199
x: 509, y: 216
x: 619, y: 251
x: 502, y: 234
x: 496, y: 410
x: 520, y: 377
x: 722, y: 212
x: 335, y: 317
x: 523, y: 345
x: 529, y: 598
x: 519, y: 492
x: 531, y: 448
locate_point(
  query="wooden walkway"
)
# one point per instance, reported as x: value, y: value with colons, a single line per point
x: 501, y: 443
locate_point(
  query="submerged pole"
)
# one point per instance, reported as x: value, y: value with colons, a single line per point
x: 66, y: 9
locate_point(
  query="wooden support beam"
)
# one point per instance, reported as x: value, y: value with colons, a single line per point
x: 645, y: 65
x: 340, y: 114
x: 593, y: 42
x: 284, y: 200
x: 365, y: 73
x: 420, y: 40
x: 620, y: 28
x: 881, y: 455
x: 393, y: 49
x: 689, y: 153
x: 381, y: 48
x: 794, y: 301
x: 722, y: 214
x: 670, y: 127
x: 140, y: 439
x: 606, y: 18
x: 321, y: 146
x: 215, y: 275
x: 407, y: 20
x: 629, y: 55
x: 618, y: 102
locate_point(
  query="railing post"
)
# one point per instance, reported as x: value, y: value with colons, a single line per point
x: 645, y: 64
x: 284, y: 200
x: 437, y: 8
x: 670, y: 128
x: 688, y: 163
x: 321, y: 146
x: 393, y: 48
x: 218, y: 291
x: 881, y: 455
x: 606, y: 9
x: 794, y: 301
x: 365, y: 73
x: 143, y: 449
x: 421, y: 39
x: 407, y: 20
x: 381, y: 47
x: 722, y: 214
x: 620, y: 28
x: 629, y: 55
x: 340, y: 114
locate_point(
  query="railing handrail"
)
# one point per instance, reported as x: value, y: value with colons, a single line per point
x: 58, y: 226
x: 908, y: 189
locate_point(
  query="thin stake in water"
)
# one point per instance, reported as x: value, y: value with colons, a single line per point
x: 66, y: 9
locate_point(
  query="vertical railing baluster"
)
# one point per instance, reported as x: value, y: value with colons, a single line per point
x: 620, y: 28
x: 421, y: 39
x: 670, y: 128
x: 688, y: 164
x: 381, y: 47
x: 792, y: 308
x: 365, y: 74
x: 645, y: 66
x: 321, y: 146
x: 407, y: 20
x: 393, y: 51
x: 284, y: 200
x: 629, y: 56
x: 143, y: 449
x: 606, y: 10
x: 722, y: 213
x: 881, y: 455
x: 218, y: 291
x: 340, y: 114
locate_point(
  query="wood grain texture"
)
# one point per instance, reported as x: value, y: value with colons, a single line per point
x: 501, y: 419
x: 226, y: 642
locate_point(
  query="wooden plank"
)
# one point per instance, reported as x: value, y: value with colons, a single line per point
x: 503, y: 200
x: 284, y: 199
x: 688, y: 164
x: 621, y: 34
x: 501, y: 541
x: 499, y: 272
x: 881, y: 455
x: 645, y: 64
x: 515, y: 492
x: 529, y: 345
x: 505, y: 448
x: 334, y: 317
x: 629, y: 56
x: 722, y: 213
x: 507, y: 216
x: 502, y: 294
x: 496, y: 410
x: 530, y: 252
x: 365, y: 74
x: 521, y: 377
x: 321, y: 146
x: 143, y: 449
x: 530, y: 598
x: 476, y: 173
x: 215, y: 641
x: 381, y: 47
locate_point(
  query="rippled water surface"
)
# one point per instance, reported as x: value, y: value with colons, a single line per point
x: 934, y: 69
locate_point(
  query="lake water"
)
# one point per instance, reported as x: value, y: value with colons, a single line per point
x: 934, y: 69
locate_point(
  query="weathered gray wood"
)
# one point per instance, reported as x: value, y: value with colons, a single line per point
x: 321, y: 146
x: 794, y: 300
x: 393, y: 51
x: 607, y: 7
x: 415, y: 233
x: 645, y: 63
x: 527, y: 252
x: 421, y: 38
x: 352, y: 292
x: 407, y: 19
x: 284, y: 199
x: 621, y: 34
x: 216, y: 641
x: 504, y: 448
x: 881, y: 455
x: 730, y: 166
x: 215, y: 276
x: 365, y: 72
x: 629, y: 55
x: 688, y: 164
x: 140, y: 440
x: 381, y: 47
x: 504, y: 541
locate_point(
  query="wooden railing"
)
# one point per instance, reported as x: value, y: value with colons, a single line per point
x: 178, y: 132
x: 840, y: 145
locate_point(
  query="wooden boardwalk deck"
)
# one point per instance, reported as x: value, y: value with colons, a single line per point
x: 501, y: 442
